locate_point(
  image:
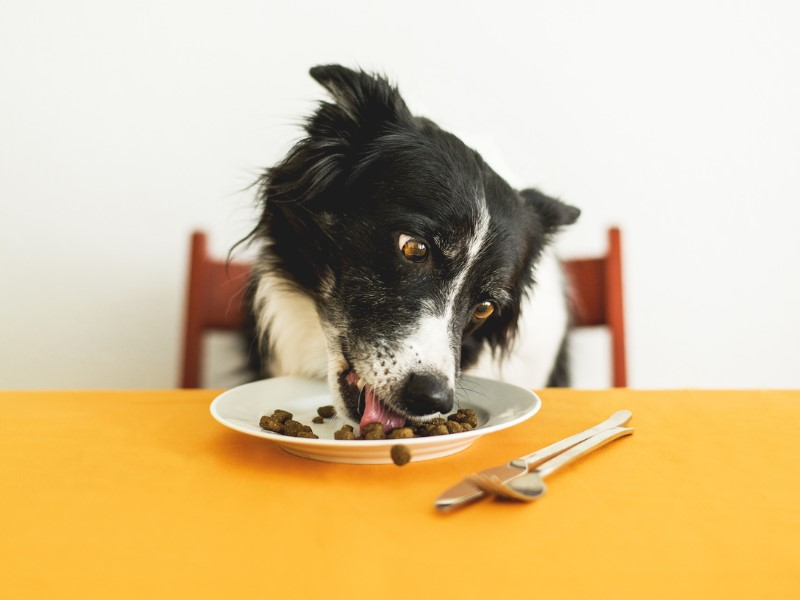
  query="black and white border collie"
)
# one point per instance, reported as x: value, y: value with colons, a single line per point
x: 392, y: 258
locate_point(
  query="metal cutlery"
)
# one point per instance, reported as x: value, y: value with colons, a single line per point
x: 467, y: 491
x: 530, y: 486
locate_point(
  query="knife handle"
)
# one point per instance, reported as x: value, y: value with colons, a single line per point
x: 618, y: 419
x: 586, y: 446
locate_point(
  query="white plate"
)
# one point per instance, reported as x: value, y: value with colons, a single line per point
x: 498, y: 406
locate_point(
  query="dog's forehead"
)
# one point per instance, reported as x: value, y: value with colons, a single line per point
x: 465, y: 229
x: 482, y: 219
x: 428, y: 182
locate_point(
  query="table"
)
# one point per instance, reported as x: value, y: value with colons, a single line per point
x: 116, y: 494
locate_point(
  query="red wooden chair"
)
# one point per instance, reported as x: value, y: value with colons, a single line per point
x: 215, y: 301
x: 596, y: 297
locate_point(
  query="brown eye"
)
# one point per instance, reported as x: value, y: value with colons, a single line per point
x: 482, y: 311
x: 413, y: 249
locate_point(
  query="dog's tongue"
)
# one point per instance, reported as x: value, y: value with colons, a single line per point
x: 376, y: 412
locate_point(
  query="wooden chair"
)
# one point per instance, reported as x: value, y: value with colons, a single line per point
x: 596, y: 297
x: 215, y: 301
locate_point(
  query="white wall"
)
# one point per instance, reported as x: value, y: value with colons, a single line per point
x: 125, y: 125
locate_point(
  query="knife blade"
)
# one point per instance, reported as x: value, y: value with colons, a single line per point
x: 466, y: 492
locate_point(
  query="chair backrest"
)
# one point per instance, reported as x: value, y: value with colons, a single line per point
x: 596, y: 297
x: 215, y: 301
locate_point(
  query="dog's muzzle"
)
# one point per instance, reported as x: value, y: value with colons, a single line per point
x: 422, y: 395
x: 425, y: 394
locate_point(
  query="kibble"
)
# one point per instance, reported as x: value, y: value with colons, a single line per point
x: 326, y: 412
x: 454, y: 427
x: 401, y: 433
x: 282, y: 415
x: 345, y: 433
x: 292, y: 428
x: 373, y: 431
x: 400, y: 454
x: 271, y: 424
x: 465, y: 415
x: 282, y: 422
x: 438, y: 429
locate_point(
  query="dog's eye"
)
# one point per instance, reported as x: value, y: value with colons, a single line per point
x: 482, y: 311
x: 413, y: 249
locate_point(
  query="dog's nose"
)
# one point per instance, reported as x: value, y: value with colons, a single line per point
x: 426, y: 394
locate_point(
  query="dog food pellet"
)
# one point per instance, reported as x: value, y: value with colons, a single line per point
x: 282, y: 422
x: 400, y: 454
x: 292, y: 428
x: 438, y: 429
x: 401, y: 433
x: 465, y: 415
x: 345, y: 433
x: 271, y: 424
x: 282, y: 415
x: 454, y: 427
x: 373, y: 431
x: 326, y: 412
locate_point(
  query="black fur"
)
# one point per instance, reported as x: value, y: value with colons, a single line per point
x: 368, y: 170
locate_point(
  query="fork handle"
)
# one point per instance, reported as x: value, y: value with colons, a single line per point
x: 618, y: 419
x: 586, y: 446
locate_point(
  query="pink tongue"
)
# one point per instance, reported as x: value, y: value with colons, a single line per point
x: 376, y: 412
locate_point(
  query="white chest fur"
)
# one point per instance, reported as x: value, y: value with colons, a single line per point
x: 296, y: 342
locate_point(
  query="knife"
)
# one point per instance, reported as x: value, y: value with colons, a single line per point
x: 465, y: 492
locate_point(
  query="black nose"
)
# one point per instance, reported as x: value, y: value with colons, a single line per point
x: 426, y: 394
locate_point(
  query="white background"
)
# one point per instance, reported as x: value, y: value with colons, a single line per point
x: 123, y: 126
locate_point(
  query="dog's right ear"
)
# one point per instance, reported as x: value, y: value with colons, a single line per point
x: 364, y: 106
x: 368, y: 100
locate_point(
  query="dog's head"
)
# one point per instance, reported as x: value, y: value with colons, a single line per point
x: 415, y: 252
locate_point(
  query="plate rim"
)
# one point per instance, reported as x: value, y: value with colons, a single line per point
x: 536, y: 404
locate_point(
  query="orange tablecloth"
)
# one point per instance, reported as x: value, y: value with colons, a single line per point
x: 143, y: 495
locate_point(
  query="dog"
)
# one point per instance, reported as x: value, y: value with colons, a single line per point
x: 392, y: 258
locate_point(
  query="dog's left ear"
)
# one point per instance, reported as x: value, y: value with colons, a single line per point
x: 553, y: 213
